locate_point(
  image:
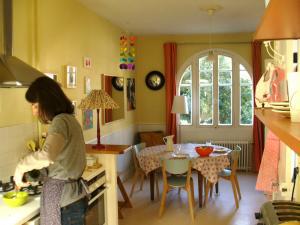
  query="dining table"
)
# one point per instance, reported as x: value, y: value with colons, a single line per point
x: 209, y: 167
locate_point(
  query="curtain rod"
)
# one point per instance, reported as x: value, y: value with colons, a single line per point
x: 206, y: 43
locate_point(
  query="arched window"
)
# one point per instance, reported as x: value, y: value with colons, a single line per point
x: 219, y: 92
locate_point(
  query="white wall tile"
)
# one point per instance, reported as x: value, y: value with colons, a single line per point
x: 13, y: 140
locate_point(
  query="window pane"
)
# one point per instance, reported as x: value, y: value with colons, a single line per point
x: 245, y: 78
x: 186, y: 119
x: 185, y: 88
x: 205, y: 77
x: 246, y: 116
x: 246, y: 97
x: 225, y: 63
x: 225, y: 105
x: 205, y: 91
x: 204, y: 64
x: 225, y: 77
x: 187, y: 76
x: 206, y: 106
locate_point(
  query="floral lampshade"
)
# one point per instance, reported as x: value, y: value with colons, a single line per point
x: 98, y: 99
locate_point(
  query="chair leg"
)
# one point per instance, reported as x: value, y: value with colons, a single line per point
x: 237, y: 187
x: 163, y: 201
x: 157, y: 188
x: 211, y: 190
x: 135, y: 177
x: 207, y: 185
x: 191, y: 203
x: 234, y: 192
x: 142, y: 181
x: 192, y: 189
x: 179, y: 190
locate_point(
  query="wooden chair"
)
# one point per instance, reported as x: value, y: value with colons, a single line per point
x: 139, y: 172
x: 177, y: 174
x: 230, y: 175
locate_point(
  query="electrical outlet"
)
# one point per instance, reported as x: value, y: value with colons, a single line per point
x: 286, y: 189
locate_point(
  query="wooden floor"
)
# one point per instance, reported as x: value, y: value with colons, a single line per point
x: 219, y: 210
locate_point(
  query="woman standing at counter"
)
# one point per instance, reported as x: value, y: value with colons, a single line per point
x: 63, y: 154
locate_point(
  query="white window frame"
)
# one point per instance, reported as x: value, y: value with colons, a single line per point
x: 194, y: 62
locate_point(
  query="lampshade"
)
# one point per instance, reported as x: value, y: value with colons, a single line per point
x: 179, y: 105
x: 98, y: 99
x: 281, y: 20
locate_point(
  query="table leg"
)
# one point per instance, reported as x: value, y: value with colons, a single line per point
x: 217, y: 188
x: 152, y: 178
x: 126, y: 202
x: 200, y: 188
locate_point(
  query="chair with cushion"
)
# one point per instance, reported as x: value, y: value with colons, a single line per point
x: 230, y: 175
x: 177, y: 174
x: 139, y: 172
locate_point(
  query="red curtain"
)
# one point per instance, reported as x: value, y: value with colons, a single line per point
x: 170, y: 55
x: 258, y: 127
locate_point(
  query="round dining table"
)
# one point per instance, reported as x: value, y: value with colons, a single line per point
x: 207, y: 167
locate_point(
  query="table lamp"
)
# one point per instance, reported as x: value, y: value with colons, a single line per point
x: 98, y: 99
x: 179, y: 107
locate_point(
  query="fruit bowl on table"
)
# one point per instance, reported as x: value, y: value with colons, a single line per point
x: 15, y: 199
x: 204, y: 151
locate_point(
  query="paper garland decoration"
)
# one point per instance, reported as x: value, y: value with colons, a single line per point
x: 127, y: 52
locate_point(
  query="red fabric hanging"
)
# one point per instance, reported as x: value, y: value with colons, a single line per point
x: 170, y: 56
x: 258, y: 127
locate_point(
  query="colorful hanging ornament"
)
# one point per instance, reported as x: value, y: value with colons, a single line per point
x: 127, y: 52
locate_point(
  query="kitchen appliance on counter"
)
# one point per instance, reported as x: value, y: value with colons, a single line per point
x: 278, y: 212
x: 7, y: 186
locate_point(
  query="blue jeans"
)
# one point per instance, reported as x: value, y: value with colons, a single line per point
x: 74, y: 214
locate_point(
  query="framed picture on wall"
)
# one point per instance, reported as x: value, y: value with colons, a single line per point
x: 87, y: 119
x: 74, y: 103
x: 87, y: 85
x: 130, y: 94
x: 71, y: 73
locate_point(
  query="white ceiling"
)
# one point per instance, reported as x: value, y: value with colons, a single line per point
x: 179, y: 16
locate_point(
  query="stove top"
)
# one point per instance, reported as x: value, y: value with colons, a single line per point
x: 33, y: 189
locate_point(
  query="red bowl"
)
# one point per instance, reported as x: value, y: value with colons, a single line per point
x: 204, y: 151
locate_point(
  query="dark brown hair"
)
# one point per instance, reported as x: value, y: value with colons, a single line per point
x: 51, y: 98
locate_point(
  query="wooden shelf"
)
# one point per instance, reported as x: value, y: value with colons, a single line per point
x: 109, y: 149
x: 287, y: 131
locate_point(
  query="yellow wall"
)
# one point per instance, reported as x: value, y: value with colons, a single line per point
x: 53, y: 34
x: 150, y: 56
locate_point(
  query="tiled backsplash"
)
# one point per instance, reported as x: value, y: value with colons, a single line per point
x: 12, y: 146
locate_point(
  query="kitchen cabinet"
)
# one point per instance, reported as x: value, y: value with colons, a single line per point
x: 287, y: 131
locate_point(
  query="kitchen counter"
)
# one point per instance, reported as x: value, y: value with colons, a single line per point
x: 19, y: 215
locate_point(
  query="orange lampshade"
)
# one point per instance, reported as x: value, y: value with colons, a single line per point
x: 280, y: 21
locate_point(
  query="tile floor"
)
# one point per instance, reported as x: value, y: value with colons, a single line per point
x: 219, y: 210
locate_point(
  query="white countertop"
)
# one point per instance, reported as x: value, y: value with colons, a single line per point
x: 19, y: 215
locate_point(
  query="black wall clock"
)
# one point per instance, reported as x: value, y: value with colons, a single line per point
x: 118, y: 83
x: 155, y: 80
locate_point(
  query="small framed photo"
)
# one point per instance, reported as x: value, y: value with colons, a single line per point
x: 87, y: 62
x: 87, y: 85
x: 74, y: 103
x: 71, y: 76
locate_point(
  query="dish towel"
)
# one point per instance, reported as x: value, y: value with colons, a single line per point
x: 268, y: 170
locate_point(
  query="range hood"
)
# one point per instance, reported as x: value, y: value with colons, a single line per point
x: 13, y: 71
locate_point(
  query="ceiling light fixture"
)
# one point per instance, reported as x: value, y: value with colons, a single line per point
x: 211, y: 10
